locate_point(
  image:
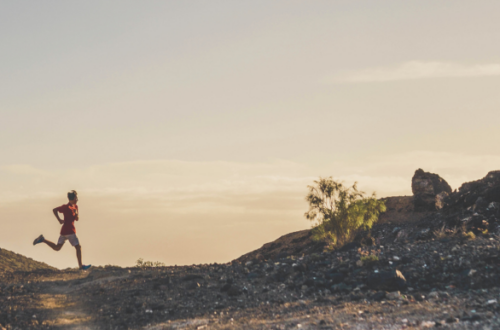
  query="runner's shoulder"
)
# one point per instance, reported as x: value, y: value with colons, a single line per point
x: 62, y: 207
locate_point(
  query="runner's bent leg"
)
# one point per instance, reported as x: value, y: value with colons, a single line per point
x: 79, y: 255
x: 52, y: 245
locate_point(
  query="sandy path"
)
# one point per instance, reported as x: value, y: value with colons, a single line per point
x: 57, y: 303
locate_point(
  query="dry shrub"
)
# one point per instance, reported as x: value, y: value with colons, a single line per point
x: 340, y: 211
x: 148, y: 264
x: 445, y: 232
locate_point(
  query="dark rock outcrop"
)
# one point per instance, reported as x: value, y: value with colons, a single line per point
x: 477, y: 194
x: 429, y: 190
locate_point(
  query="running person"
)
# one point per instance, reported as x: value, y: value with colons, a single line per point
x: 68, y: 231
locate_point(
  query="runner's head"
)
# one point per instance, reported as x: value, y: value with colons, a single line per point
x: 73, y: 197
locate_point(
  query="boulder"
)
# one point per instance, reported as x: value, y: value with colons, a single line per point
x: 387, y: 281
x: 429, y: 191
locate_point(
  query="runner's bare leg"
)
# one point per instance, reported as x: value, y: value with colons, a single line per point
x: 52, y: 245
x: 79, y: 255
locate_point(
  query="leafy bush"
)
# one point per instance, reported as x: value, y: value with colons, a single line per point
x: 339, y: 211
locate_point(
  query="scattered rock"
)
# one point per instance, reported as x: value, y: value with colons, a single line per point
x: 433, y: 295
x: 393, y: 296
x: 471, y: 318
x: 334, y: 277
x: 225, y: 287
x: 419, y: 297
x: 378, y: 296
x: 233, y: 291
x: 191, y: 277
x: 192, y: 285
x: 428, y: 324
x: 389, y: 281
x: 341, y: 287
x: 451, y: 320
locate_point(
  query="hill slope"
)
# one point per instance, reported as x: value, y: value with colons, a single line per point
x: 399, y: 212
x: 296, y: 243
x: 10, y: 261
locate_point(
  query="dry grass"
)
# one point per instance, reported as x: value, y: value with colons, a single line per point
x: 445, y: 232
x: 148, y: 264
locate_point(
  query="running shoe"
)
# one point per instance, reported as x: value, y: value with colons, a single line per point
x: 85, y: 267
x: 39, y: 239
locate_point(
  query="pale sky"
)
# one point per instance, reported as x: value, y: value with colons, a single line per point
x: 191, y: 129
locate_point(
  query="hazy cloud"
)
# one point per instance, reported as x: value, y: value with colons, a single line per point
x: 418, y: 70
x: 170, y: 179
x: 23, y: 169
x: 197, y: 186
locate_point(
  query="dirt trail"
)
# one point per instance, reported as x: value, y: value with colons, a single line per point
x: 46, y: 301
x: 50, y: 299
x: 67, y: 303
x: 61, y: 303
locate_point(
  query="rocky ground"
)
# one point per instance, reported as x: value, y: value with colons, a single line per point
x: 451, y: 282
x: 434, y: 269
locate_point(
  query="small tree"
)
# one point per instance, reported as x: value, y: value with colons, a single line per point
x: 339, y: 211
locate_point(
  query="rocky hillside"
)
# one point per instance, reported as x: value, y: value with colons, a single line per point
x: 10, y: 261
x: 474, y: 207
x: 451, y: 281
x: 400, y: 210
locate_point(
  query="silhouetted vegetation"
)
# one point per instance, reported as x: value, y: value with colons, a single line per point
x: 144, y: 264
x: 339, y: 211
